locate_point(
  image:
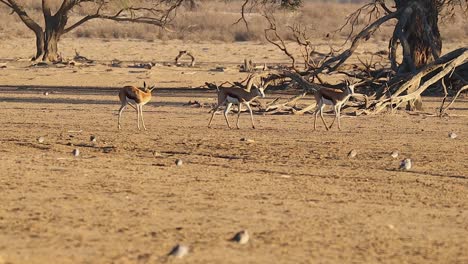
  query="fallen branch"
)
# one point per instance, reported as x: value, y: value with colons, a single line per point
x: 285, y: 105
x: 430, y: 68
x: 443, y: 109
x: 447, y: 69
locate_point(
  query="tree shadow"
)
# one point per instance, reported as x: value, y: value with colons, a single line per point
x: 12, y: 90
x: 432, y: 174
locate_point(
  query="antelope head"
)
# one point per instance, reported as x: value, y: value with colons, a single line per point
x: 147, y: 89
x: 260, y: 89
x: 350, y: 87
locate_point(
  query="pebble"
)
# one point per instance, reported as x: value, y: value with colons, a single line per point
x: 395, y: 154
x: 405, y: 164
x: 352, y: 154
x: 452, y: 135
x: 179, y: 251
x: 241, y: 237
x: 157, y: 154
x: 248, y: 140
x: 46, y: 93
x: 108, y: 149
x: 92, y: 138
x: 179, y: 162
x: 40, y: 139
x: 76, y: 152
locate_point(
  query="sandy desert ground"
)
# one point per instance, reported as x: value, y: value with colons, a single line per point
x: 123, y: 200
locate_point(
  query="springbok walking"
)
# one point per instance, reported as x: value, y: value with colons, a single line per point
x: 237, y: 96
x: 136, y: 98
x: 335, y: 97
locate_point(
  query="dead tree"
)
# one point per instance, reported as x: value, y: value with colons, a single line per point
x: 416, y: 31
x: 57, y: 23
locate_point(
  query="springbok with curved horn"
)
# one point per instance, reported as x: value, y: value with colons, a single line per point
x: 237, y: 96
x: 335, y: 97
x: 136, y: 98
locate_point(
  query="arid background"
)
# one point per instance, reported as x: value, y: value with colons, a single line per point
x: 123, y: 199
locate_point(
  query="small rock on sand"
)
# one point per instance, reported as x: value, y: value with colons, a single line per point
x: 76, y: 152
x: 179, y: 251
x: 241, y: 237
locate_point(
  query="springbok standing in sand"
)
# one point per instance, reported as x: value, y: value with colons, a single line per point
x: 335, y: 97
x: 136, y: 98
x: 237, y: 96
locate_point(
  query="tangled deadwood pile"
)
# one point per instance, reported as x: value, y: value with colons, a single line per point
x: 385, y: 85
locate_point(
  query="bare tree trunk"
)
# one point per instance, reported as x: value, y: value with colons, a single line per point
x: 54, y: 28
x: 424, y: 35
x: 51, y: 37
x: 420, y: 34
x: 39, y: 44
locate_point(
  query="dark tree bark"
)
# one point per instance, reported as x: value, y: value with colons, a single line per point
x: 292, y: 4
x: 54, y: 28
x: 421, y: 31
x: 419, y: 36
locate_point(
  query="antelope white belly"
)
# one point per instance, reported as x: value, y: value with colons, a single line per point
x: 232, y: 100
x: 130, y: 101
x: 327, y: 102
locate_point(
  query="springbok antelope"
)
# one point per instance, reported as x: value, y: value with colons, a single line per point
x: 238, y: 96
x: 335, y: 97
x: 136, y: 98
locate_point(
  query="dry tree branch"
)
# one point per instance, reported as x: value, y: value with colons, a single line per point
x: 443, y: 110
x: 333, y: 63
x: 6, y: 3
x: 242, y: 18
x: 445, y: 96
x: 303, y: 41
x: 448, y: 63
x: 372, y: 12
x: 286, y: 105
x: 384, y: 6
x: 157, y: 16
x: 23, y: 15
x: 281, y: 45
x: 311, y: 65
x: 307, y: 86
x: 430, y: 68
x: 254, y: 3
